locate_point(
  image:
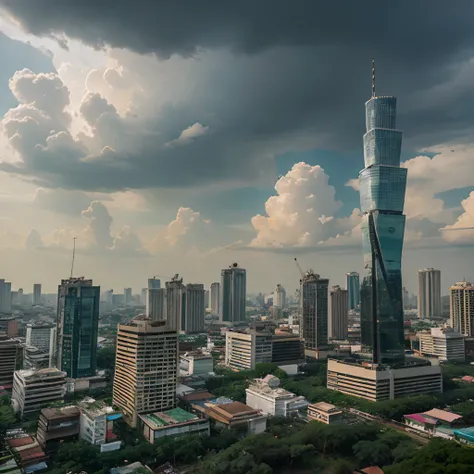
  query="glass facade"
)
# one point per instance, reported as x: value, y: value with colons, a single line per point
x: 78, y: 325
x: 353, y: 287
x: 382, y: 193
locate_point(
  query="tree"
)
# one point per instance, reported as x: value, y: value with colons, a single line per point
x: 372, y: 453
x: 106, y: 358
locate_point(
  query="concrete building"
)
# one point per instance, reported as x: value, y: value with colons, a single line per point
x: 196, y: 363
x: 279, y: 299
x: 5, y: 296
x: 233, y: 296
x: 10, y: 359
x: 353, y: 290
x: 156, y: 304
x: 97, y: 422
x: 232, y: 414
x: 245, y: 349
x: 435, y: 422
x: 194, y: 309
x: 42, y: 335
x: 32, y: 390
x: 429, y: 293
x: 314, y: 316
x: 154, y: 283
x: 266, y: 395
x: 173, y: 422
x: 56, y: 425
x: 338, y: 313
x: 37, y: 294
x: 35, y: 359
x: 376, y: 382
x: 143, y: 296
x: 127, y: 295
x: 215, y: 297
x: 174, y: 303
x: 77, y: 327
x: 146, y: 368
x: 325, y: 413
x: 445, y: 344
x: 9, y: 325
x: 462, y: 307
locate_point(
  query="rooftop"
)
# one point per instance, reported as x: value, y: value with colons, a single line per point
x: 323, y: 406
x: 41, y: 374
x: 467, y: 433
x: 443, y: 415
x: 235, y: 408
x: 197, y: 396
x: 56, y: 413
x: 160, y: 420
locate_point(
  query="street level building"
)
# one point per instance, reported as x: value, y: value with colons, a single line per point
x: 325, y: 413
x: 462, y: 307
x: 376, y: 382
x: 146, y: 368
x: 56, y: 425
x: 266, y: 395
x: 32, y: 390
x: 445, y: 344
x: 429, y: 293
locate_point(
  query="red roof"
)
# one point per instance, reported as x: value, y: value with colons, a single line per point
x: 19, y: 442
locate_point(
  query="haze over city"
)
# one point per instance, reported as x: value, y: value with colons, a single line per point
x: 183, y: 150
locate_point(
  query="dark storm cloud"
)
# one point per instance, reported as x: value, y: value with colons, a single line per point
x: 297, y: 77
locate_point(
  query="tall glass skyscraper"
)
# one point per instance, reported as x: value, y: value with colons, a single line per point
x: 382, y: 195
x: 233, y: 294
x: 353, y: 287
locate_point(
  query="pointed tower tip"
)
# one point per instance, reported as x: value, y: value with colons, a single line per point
x: 373, y: 77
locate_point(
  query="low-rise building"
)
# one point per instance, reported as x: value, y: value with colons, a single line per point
x: 266, y: 395
x: 325, y: 413
x: 27, y: 450
x: 97, y: 422
x: 233, y: 414
x: 56, y: 425
x: 172, y: 423
x: 376, y: 382
x: 435, y: 422
x: 196, y: 363
x: 445, y: 344
x: 32, y: 390
x: 465, y: 436
x: 84, y: 384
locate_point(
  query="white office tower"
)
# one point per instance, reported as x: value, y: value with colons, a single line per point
x: 174, y: 303
x: 279, y: 297
x: 156, y: 304
x: 37, y: 294
x: 194, y: 309
x: 233, y: 294
x: 462, y: 307
x: 445, y: 344
x: 215, y: 297
x: 127, y: 295
x: 33, y: 390
x: 5, y: 296
x: 42, y: 336
x: 429, y: 293
x: 154, y: 283
x: 338, y: 313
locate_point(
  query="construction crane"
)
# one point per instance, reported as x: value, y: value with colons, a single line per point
x: 299, y: 268
x: 73, y: 255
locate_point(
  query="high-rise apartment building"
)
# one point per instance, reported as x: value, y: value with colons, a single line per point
x: 279, y: 297
x: 154, y: 283
x: 446, y: 344
x: 462, y: 307
x: 207, y: 298
x: 127, y: 295
x: 5, y: 296
x: 77, y: 327
x: 314, y: 314
x: 143, y: 296
x: 156, y: 304
x: 233, y: 294
x: 146, y: 368
x: 353, y: 289
x: 37, y: 294
x: 194, y: 308
x: 10, y: 359
x: 429, y: 293
x: 338, y: 313
x: 382, y: 195
x: 215, y: 297
x: 174, y: 303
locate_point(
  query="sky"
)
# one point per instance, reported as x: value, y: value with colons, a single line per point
x: 181, y: 136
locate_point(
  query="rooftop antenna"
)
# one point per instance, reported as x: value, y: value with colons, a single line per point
x: 73, y: 254
x: 373, y: 77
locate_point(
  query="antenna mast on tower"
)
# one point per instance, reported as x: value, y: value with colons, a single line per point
x: 73, y: 255
x: 373, y: 77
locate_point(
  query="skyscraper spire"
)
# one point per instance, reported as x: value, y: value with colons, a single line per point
x: 373, y: 77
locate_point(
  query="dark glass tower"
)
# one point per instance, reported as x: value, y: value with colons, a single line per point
x: 382, y: 196
x: 77, y: 327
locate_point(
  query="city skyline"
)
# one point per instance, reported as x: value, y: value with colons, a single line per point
x: 243, y: 171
